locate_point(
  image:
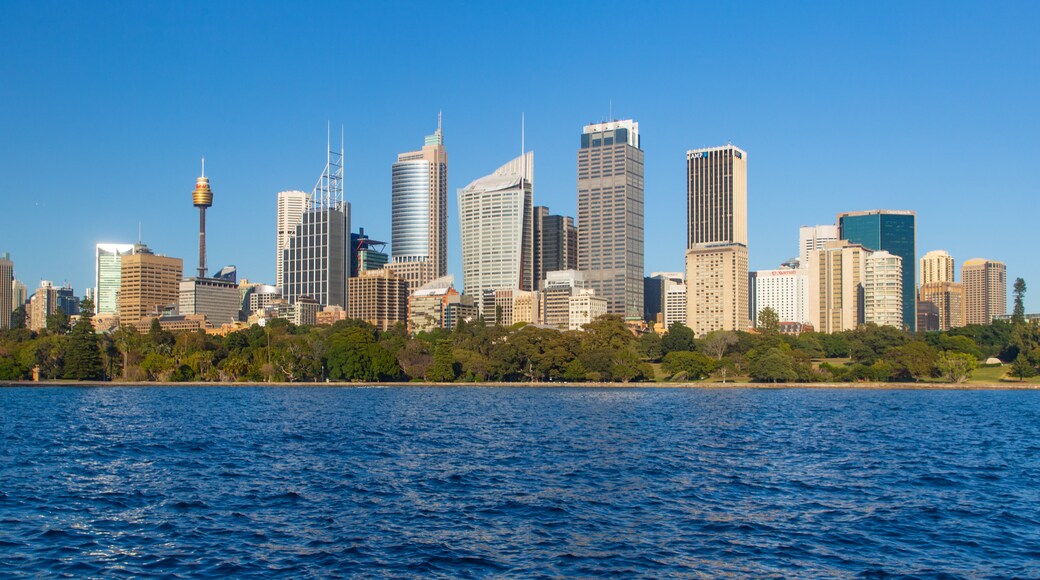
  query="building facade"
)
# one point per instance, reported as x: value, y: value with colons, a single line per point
x: 378, y: 297
x: 785, y: 290
x: 837, y: 274
x: 148, y: 283
x: 936, y: 266
x: 419, y: 212
x: 948, y: 299
x: 6, y: 290
x: 717, y: 287
x: 675, y: 305
x: 438, y: 305
x: 496, y: 224
x: 556, y: 293
x: 107, y: 270
x: 716, y: 240
x: 585, y: 307
x: 291, y: 207
x: 985, y: 290
x: 555, y: 244
x: 610, y: 214
x: 216, y: 299
x: 316, y: 259
x: 812, y: 238
x: 893, y: 231
x: 883, y: 290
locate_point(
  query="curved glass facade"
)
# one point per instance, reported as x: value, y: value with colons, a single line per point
x: 410, y: 207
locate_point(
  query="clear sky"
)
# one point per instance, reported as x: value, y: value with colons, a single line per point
x: 106, y: 108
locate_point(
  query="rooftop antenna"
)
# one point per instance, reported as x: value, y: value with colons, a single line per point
x: 138, y: 232
x: 439, y: 119
x: 610, y: 114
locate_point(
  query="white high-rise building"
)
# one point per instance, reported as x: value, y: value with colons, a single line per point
x: 108, y: 261
x: 291, y: 206
x: 883, y: 290
x: 785, y: 290
x: 496, y: 226
x: 812, y: 238
x: 674, y: 304
x: 936, y: 266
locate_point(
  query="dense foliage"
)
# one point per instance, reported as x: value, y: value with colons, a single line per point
x: 605, y: 351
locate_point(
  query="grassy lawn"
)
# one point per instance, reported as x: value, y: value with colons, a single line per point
x: 998, y: 375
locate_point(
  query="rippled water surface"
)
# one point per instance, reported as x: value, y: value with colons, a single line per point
x: 472, y: 482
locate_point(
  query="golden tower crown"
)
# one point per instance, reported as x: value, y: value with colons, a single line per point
x: 203, y: 195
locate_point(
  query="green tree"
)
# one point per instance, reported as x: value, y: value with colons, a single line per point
x: 956, y: 367
x: 691, y: 366
x: 443, y: 368
x: 1018, y: 314
x: 768, y: 321
x: 1022, y: 367
x: 913, y: 360
x: 83, y: 354
x: 650, y: 346
x: 717, y: 342
x: 773, y: 366
x: 18, y: 317
x: 58, y: 322
x: 678, y: 338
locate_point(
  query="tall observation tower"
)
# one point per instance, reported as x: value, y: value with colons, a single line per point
x: 202, y: 198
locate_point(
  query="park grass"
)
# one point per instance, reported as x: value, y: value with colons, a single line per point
x: 998, y: 374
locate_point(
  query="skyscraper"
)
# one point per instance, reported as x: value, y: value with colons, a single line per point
x: 936, y: 266
x: 985, y: 290
x: 716, y: 203
x: 316, y: 259
x: 716, y: 239
x: 47, y: 300
x: 813, y: 238
x: 419, y: 212
x: 883, y: 290
x: 555, y: 244
x: 107, y: 267
x: 147, y: 283
x: 19, y: 294
x: 610, y: 214
x: 496, y: 223
x: 893, y: 231
x: 6, y: 290
x: 291, y: 207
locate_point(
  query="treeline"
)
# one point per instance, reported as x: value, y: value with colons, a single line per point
x: 474, y: 352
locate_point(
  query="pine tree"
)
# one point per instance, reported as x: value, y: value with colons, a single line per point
x: 1018, y: 314
x: 83, y: 355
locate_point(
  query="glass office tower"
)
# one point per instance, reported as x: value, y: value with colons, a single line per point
x: 893, y: 231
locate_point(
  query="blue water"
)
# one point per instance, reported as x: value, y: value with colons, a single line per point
x: 473, y: 482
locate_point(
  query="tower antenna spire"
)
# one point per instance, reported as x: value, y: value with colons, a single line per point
x: 440, y: 114
x: 610, y: 110
x: 204, y: 166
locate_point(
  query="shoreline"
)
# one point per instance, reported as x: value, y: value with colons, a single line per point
x: 1009, y: 386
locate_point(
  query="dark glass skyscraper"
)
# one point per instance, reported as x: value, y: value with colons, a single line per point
x: 895, y: 232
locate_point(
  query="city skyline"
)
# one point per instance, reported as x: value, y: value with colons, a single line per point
x: 259, y: 124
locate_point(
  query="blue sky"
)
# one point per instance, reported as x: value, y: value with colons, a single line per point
x: 105, y: 109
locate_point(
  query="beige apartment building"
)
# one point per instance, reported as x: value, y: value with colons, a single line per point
x: 948, y: 298
x: 985, y: 290
x: 147, y: 283
x: 837, y: 275
x: 717, y: 287
x: 378, y: 297
x: 936, y: 266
